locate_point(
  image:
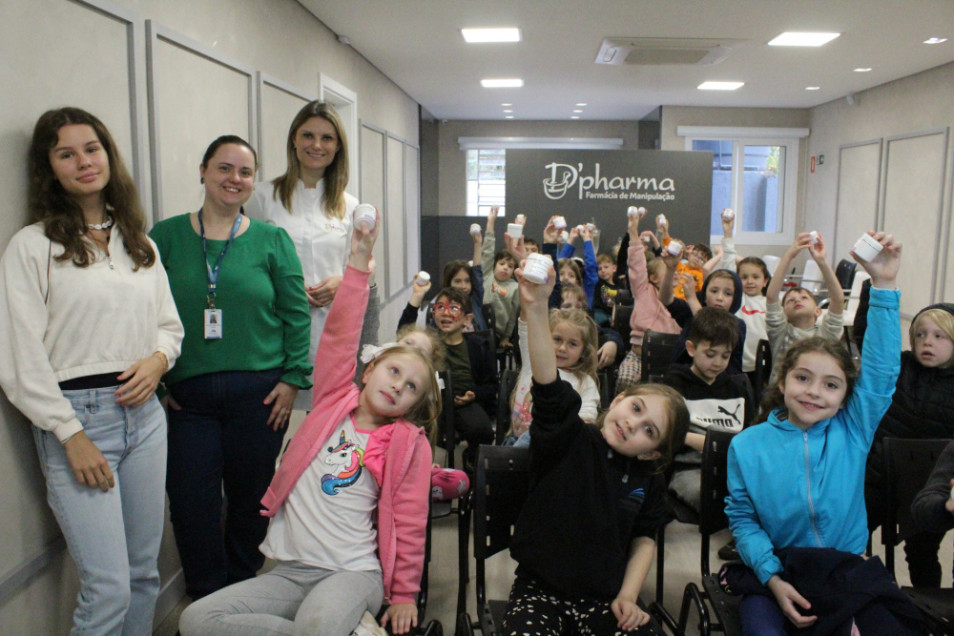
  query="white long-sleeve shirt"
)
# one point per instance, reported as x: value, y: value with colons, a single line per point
x: 59, y: 322
x: 322, y: 243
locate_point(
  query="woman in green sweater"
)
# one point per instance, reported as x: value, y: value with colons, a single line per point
x: 239, y: 290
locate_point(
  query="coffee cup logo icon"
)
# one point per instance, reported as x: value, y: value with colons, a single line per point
x: 562, y: 177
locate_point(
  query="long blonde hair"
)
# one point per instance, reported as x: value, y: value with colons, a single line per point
x: 336, y: 175
x: 425, y: 411
x: 588, y: 362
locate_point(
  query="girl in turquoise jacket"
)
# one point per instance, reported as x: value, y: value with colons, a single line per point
x: 797, y: 480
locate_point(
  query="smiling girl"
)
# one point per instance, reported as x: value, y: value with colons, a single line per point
x: 89, y: 327
x: 797, y: 479
x: 596, y: 496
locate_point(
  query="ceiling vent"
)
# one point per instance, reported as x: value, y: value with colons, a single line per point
x: 665, y: 51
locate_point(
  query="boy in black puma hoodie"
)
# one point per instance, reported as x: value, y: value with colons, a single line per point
x: 713, y: 397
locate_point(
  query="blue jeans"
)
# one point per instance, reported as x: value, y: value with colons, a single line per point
x: 762, y: 616
x: 113, y: 537
x: 220, y: 438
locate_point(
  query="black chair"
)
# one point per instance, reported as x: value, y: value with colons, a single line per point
x: 446, y: 433
x: 657, y: 353
x: 607, y: 382
x: 908, y: 464
x: 621, y: 316
x: 508, y: 380
x: 712, y: 519
x: 763, y: 370
x: 500, y: 488
x: 845, y: 273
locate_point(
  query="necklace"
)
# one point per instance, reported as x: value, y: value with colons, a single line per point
x: 105, y: 225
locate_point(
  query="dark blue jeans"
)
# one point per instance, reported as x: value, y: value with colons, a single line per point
x: 219, y: 437
x: 762, y: 616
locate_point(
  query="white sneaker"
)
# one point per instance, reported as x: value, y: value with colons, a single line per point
x: 369, y: 627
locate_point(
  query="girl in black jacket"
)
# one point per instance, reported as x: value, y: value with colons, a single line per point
x: 584, y: 540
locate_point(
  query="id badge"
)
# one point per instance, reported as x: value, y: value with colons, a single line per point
x: 213, y: 324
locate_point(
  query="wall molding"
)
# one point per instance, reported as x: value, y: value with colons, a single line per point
x: 156, y: 33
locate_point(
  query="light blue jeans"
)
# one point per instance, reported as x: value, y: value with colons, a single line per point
x: 291, y: 599
x: 113, y: 537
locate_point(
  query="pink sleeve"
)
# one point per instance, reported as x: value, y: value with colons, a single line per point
x: 638, y: 283
x: 411, y: 509
x: 337, y: 356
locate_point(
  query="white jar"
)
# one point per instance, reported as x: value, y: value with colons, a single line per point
x: 867, y: 248
x: 365, y: 214
x: 536, y: 268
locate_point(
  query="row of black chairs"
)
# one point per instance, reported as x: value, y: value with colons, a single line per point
x: 908, y: 462
x: 501, y: 485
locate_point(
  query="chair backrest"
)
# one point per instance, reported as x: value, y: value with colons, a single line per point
x: 771, y: 263
x: 621, y: 316
x: 713, y: 488
x: 446, y: 433
x: 500, y: 489
x: 657, y: 353
x: 908, y: 464
x: 491, y: 317
x: 508, y: 380
x: 607, y: 382
x: 845, y: 272
x: 812, y: 278
x: 854, y: 298
x: 763, y: 369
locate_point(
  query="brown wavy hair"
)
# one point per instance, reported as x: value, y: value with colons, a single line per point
x: 775, y: 399
x: 336, y: 175
x: 677, y: 413
x: 61, y: 215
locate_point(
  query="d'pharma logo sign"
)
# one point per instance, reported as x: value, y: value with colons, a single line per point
x: 563, y: 176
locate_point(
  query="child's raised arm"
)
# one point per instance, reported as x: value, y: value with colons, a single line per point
x: 802, y: 241
x: 836, y: 295
x: 535, y: 311
x: 666, y: 286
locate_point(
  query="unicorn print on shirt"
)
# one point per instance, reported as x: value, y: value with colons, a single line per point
x: 346, y: 458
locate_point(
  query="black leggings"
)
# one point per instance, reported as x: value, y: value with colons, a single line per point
x: 532, y: 611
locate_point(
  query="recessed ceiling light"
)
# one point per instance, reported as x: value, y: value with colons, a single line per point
x: 795, y: 38
x: 581, y: 103
x: 578, y: 110
x: 501, y: 83
x: 508, y: 110
x: 506, y: 104
x: 935, y: 40
x: 574, y: 116
x: 505, y: 34
x: 813, y: 88
x: 508, y: 116
x: 720, y: 86
x: 862, y: 69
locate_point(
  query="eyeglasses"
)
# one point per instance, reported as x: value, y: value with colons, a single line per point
x: 445, y: 308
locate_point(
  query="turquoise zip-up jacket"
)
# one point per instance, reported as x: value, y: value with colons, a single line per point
x: 793, y: 488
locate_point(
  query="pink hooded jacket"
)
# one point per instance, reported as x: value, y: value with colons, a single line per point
x: 649, y: 314
x: 398, y: 455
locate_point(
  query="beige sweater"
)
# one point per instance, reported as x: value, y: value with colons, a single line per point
x: 59, y: 322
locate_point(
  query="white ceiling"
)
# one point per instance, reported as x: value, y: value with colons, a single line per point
x: 417, y: 43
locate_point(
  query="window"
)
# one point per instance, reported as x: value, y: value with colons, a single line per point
x: 754, y: 172
x: 486, y: 180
